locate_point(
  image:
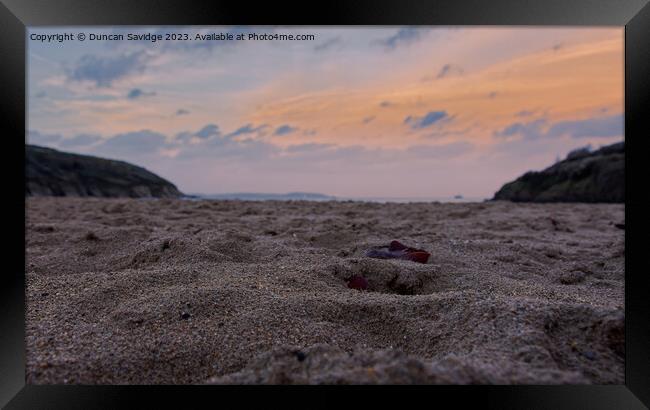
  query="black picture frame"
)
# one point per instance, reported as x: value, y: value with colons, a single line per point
x: 17, y: 15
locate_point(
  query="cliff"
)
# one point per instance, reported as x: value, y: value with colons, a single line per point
x: 49, y: 172
x: 583, y: 176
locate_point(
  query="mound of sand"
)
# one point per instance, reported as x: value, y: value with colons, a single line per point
x: 176, y: 291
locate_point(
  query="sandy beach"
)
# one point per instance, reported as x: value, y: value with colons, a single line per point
x: 178, y: 291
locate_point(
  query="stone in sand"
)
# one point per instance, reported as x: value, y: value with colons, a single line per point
x: 358, y: 282
x: 397, y: 250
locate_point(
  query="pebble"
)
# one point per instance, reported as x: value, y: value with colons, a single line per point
x: 185, y: 315
x: 358, y: 282
x: 90, y: 236
x: 300, y: 355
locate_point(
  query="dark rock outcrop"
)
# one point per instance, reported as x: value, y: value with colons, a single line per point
x: 583, y: 176
x: 49, y: 172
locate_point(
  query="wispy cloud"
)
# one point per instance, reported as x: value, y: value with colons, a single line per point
x: 227, y: 146
x: 450, y: 150
x: 103, y: 71
x: 37, y: 138
x: 132, y: 143
x: 597, y: 127
x: 527, y: 130
x: 329, y: 44
x: 404, y: 36
x: 210, y: 143
x: 610, y: 126
x: 449, y: 70
x: 284, y: 130
x: 247, y: 129
x: 524, y: 113
x: 426, y: 120
x: 136, y: 93
x: 312, y: 146
x: 210, y: 130
x: 81, y: 140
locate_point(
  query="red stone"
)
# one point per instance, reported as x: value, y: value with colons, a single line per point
x: 421, y: 257
x: 396, y: 246
x: 358, y: 282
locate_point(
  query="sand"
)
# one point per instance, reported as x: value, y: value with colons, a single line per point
x: 178, y: 291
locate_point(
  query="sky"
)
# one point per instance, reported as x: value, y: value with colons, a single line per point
x: 418, y: 112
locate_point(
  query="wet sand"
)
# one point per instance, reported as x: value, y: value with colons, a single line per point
x: 177, y: 291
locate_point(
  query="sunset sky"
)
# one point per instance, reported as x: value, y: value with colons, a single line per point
x: 357, y: 112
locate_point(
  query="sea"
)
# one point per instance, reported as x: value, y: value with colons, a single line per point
x: 308, y: 196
